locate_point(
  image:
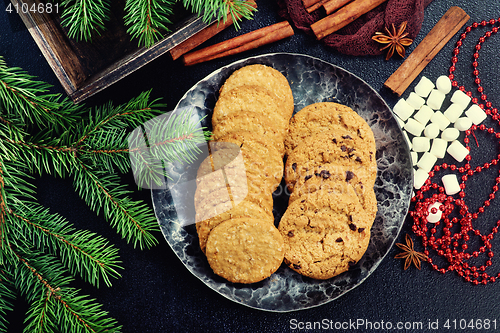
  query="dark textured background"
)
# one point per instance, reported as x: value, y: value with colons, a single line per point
x: 157, y: 293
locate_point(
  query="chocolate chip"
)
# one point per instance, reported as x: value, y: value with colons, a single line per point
x: 290, y: 234
x: 294, y: 166
x: 350, y: 150
x: 306, y: 178
x: 334, y: 140
x: 352, y: 226
x: 325, y: 174
x: 296, y: 266
x: 349, y: 175
x: 348, y: 137
x: 358, y: 159
x: 350, y: 218
x: 343, y: 148
x: 360, y: 230
x: 351, y: 263
x: 303, y: 200
x: 338, y: 240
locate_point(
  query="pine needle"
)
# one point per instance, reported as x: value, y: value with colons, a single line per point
x: 148, y: 19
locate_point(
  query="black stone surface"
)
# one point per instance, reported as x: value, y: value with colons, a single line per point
x: 156, y: 293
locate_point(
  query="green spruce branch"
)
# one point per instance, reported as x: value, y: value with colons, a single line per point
x: 41, y: 252
x: 84, y: 18
x: 147, y: 21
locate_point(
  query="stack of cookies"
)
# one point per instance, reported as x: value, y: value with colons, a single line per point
x: 233, y: 199
x: 330, y: 172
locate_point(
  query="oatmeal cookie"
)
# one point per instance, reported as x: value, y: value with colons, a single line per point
x: 245, y: 250
x: 326, y: 116
x: 325, y: 233
x: 266, y: 77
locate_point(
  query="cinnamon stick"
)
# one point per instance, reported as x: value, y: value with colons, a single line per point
x: 204, y: 35
x: 316, y: 5
x: 332, y: 5
x: 451, y: 22
x: 309, y: 3
x: 343, y: 17
x: 241, y: 43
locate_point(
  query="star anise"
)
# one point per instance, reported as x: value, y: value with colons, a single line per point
x: 409, y: 254
x: 395, y: 40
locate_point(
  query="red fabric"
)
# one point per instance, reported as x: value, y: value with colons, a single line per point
x: 355, y: 38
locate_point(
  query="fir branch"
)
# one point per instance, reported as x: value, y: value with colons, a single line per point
x: 84, y: 253
x: 24, y: 100
x: 44, y: 158
x: 102, y: 192
x: 56, y: 307
x: 7, y: 297
x: 83, y: 18
x: 147, y: 19
x: 220, y: 9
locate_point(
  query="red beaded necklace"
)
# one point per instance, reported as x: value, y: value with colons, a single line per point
x: 451, y: 237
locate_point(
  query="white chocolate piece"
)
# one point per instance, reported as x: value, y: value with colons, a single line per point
x: 457, y: 151
x: 421, y: 144
x: 476, y: 114
x: 453, y: 112
x: 436, y: 99
x: 427, y: 161
x: 439, y: 119
x: 434, y: 217
x: 414, y: 157
x: 450, y: 134
x: 450, y: 183
x: 461, y: 98
x: 424, y: 87
x: 407, y: 140
x: 443, y: 84
x: 414, y: 127
x: 403, y: 110
x: 431, y: 131
x: 424, y: 115
x: 463, y: 124
x: 419, y: 178
x: 415, y: 101
x: 438, y: 148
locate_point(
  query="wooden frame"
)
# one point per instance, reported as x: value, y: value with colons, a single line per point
x: 85, y: 68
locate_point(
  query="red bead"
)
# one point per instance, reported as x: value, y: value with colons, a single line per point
x: 475, y: 72
x: 495, y: 29
x: 456, y: 51
x: 483, y: 23
x: 474, y: 100
x: 474, y: 64
x: 475, y: 25
x: 492, y: 21
x: 483, y: 96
